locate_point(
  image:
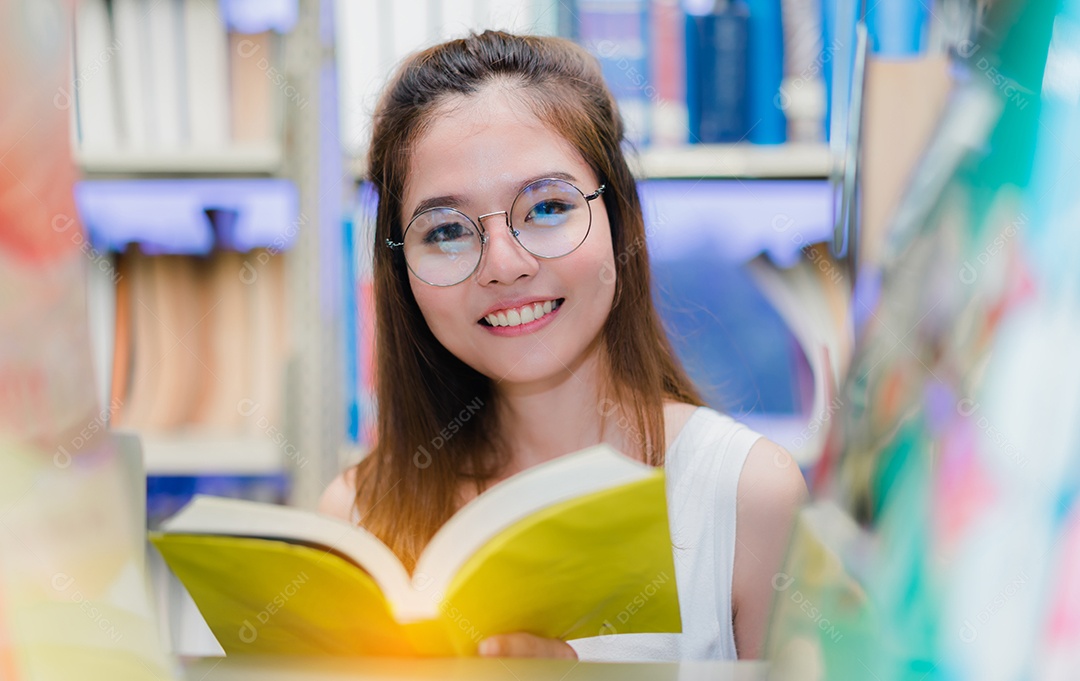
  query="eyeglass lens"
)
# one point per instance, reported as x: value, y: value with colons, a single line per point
x: 550, y: 218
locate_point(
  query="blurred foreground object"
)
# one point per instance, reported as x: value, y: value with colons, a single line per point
x: 945, y: 541
x: 73, y: 593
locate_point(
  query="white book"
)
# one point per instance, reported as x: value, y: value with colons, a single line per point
x: 94, y: 87
x: 514, y: 16
x: 206, y: 46
x: 364, y: 62
x: 165, y: 25
x: 410, y: 27
x: 135, y: 86
x: 456, y: 18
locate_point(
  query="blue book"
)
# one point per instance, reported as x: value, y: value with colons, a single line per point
x: 716, y: 68
x: 350, y: 321
x: 765, y: 72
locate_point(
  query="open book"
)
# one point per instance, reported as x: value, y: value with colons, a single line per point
x: 575, y: 547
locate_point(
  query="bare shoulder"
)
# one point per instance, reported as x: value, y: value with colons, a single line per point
x: 676, y: 414
x: 770, y: 480
x: 770, y: 492
x: 338, y: 498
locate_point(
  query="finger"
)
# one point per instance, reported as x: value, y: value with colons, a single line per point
x: 525, y: 645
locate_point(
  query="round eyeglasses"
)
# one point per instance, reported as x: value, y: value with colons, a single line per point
x: 549, y: 218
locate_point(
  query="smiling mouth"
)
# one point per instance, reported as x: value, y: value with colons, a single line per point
x: 521, y: 315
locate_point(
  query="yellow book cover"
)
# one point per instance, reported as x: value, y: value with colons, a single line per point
x: 576, y: 547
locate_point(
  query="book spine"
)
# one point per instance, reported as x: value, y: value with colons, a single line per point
x: 722, y: 54
x: 616, y: 32
x: 897, y: 27
x: 765, y: 72
x: 692, y: 50
x: 350, y: 322
x: 363, y: 67
x: 456, y: 18
x: 410, y: 27
x: 250, y: 90
x: 135, y: 80
x: 94, y: 89
x: 206, y: 53
x: 802, y: 92
x: 667, y: 68
x: 164, y: 22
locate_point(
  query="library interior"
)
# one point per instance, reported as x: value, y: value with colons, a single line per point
x: 812, y: 414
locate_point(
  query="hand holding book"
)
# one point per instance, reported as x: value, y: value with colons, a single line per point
x: 525, y: 645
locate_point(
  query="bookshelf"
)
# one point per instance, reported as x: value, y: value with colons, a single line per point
x: 295, y: 141
x: 265, y: 159
x: 716, y: 161
x: 790, y: 160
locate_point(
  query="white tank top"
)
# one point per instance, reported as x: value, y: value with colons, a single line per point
x: 702, y: 470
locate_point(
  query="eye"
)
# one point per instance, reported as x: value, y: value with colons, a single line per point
x: 549, y: 211
x: 447, y: 232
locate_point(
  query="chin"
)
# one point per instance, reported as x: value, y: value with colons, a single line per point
x: 543, y: 365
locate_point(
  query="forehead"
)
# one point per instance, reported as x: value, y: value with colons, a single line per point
x: 486, y: 144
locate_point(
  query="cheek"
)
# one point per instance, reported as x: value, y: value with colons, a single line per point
x: 436, y: 305
x: 603, y: 257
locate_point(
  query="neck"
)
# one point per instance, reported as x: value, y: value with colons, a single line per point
x: 559, y: 415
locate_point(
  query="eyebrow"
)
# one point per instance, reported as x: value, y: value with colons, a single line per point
x: 455, y: 201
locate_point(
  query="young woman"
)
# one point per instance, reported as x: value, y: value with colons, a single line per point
x: 514, y: 313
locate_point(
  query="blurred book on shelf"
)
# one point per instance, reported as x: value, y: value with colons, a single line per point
x: 616, y: 33
x: 199, y: 333
x: 684, y: 72
x: 175, y: 78
x: 200, y: 349
x: 944, y: 540
x: 717, y: 71
x: 375, y: 35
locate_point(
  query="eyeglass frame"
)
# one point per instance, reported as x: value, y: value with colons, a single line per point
x: 479, y: 225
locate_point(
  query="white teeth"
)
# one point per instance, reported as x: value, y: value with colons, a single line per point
x: 522, y: 315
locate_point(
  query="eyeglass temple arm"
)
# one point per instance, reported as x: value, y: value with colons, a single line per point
x: 596, y: 193
x: 394, y: 244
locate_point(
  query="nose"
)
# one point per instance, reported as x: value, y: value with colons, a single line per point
x: 504, y: 260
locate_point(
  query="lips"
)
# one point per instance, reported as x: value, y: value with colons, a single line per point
x: 522, y: 314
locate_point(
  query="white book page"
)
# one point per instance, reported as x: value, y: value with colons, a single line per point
x: 562, y: 479
x: 236, y: 517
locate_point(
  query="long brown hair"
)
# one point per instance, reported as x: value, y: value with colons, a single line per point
x: 436, y: 423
